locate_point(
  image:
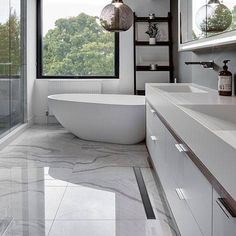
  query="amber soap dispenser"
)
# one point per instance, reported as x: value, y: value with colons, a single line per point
x: 225, y: 81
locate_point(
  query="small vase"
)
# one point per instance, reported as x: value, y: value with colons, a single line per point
x: 152, y: 41
x: 151, y: 16
x: 153, y: 66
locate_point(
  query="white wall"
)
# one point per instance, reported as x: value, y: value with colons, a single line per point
x: 31, y: 58
x: 122, y: 85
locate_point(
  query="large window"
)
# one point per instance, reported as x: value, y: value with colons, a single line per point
x: 72, y: 43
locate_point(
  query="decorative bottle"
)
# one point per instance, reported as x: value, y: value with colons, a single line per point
x: 225, y: 81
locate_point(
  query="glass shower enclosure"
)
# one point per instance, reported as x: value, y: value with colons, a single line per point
x: 11, y: 65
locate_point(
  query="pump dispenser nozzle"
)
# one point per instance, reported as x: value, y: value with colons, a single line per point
x: 225, y: 67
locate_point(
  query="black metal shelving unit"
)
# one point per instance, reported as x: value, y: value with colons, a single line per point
x: 168, y: 44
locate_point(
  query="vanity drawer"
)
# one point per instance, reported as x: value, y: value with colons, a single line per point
x: 183, y: 216
x: 156, y: 141
x: 198, y: 193
x: 154, y: 124
x: 151, y: 143
x: 223, y: 223
x: 150, y: 116
x: 175, y: 159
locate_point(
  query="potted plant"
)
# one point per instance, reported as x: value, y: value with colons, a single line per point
x: 153, y: 32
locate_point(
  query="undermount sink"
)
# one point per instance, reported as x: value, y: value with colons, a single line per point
x: 215, y: 117
x: 180, y: 88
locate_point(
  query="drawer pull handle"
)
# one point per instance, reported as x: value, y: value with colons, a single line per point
x: 184, y: 148
x: 226, y: 208
x: 181, y: 147
x: 153, y: 111
x: 222, y: 207
x: 180, y: 193
x: 154, y: 138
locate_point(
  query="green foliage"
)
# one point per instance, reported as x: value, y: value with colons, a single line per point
x: 153, y: 30
x: 10, y: 46
x: 218, y: 21
x: 78, y: 46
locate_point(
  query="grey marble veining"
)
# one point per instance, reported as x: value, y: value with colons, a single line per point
x: 60, y: 148
x: 52, y: 183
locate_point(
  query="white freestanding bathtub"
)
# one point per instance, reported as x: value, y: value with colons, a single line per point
x: 101, y: 117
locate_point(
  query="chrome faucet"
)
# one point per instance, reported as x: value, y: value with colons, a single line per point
x: 205, y: 64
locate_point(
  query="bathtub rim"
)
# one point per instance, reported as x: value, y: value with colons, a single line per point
x: 141, y: 99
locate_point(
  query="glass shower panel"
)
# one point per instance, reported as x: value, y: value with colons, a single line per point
x: 4, y: 67
x: 11, y: 69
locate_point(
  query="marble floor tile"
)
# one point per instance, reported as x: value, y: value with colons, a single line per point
x: 100, y: 154
x: 111, y: 228
x: 52, y: 183
x: 107, y: 193
x: 29, y: 228
x: 58, y: 148
x: 5, y: 224
x: 28, y: 177
x: 20, y: 157
x: 35, y: 204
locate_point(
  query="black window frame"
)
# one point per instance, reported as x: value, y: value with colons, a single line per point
x: 40, y: 53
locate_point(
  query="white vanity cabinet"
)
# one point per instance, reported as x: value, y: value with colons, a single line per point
x: 192, y: 199
x: 168, y: 159
x: 187, y: 157
x: 223, y: 223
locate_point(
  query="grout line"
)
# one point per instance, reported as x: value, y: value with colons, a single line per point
x: 7, y: 226
x: 49, y: 231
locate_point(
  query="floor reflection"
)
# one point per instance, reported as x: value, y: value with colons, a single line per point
x: 55, y: 184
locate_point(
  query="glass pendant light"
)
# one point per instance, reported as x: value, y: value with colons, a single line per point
x: 116, y: 17
x: 214, y: 17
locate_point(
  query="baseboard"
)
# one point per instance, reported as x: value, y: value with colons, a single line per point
x: 45, y: 120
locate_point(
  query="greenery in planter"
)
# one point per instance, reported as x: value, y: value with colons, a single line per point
x: 153, y: 30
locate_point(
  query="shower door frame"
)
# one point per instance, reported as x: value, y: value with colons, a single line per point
x: 23, y: 73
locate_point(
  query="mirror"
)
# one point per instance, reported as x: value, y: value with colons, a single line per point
x: 204, y: 23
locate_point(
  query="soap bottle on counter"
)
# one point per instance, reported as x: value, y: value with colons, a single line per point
x: 225, y: 81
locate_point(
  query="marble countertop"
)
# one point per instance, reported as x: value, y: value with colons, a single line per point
x: 206, y: 122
